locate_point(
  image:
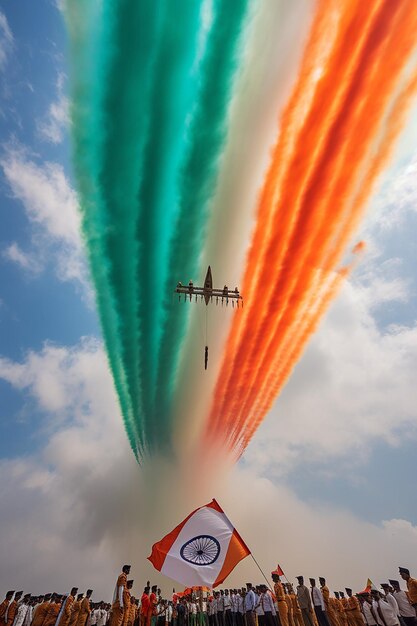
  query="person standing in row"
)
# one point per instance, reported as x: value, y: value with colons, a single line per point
x: 144, y: 606
x: 127, y: 602
x: 318, y: 604
x: 22, y: 609
x: 352, y: 609
x: 250, y: 603
x: 66, y: 608
x: 118, y: 606
x: 385, y: 614
x: 304, y: 600
x: 41, y: 610
x: 85, y: 609
x: 76, y: 608
x: 268, y: 607
x: 411, y: 585
x: 289, y: 605
x: 367, y: 609
x: 390, y: 598
x: 406, y: 609
x: 296, y: 611
x: 12, y: 608
x: 152, y: 610
x: 227, y: 606
x: 4, y: 607
x: 280, y: 598
x: 53, y: 610
x: 331, y: 615
x: 343, y: 612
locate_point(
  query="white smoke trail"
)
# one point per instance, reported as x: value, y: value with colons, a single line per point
x: 275, y: 36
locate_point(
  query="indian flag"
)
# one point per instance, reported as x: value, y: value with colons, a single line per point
x: 202, y: 550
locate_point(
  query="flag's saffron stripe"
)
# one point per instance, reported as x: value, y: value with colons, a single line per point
x: 236, y: 551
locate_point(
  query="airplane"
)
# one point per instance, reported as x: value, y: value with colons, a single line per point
x: 207, y: 293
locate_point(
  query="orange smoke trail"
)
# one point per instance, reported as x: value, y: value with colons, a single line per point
x: 310, y: 246
x: 334, y: 97
x: 274, y: 383
x: 281, y: 371
x: 291, y: 121
x: 317, y: 179
x: 299, y: 142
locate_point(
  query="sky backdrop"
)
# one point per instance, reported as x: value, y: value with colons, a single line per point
x: 327, y: 486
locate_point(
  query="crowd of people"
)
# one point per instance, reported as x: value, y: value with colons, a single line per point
x: 278, y: 604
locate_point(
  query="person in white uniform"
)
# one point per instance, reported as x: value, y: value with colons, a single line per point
x: 407, y: 611
x: 367, y: 609
x: 386, y: 614
x: 390, y: 598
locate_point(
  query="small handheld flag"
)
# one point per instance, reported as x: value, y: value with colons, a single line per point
x: 369, y: 587
x: 202, y: 550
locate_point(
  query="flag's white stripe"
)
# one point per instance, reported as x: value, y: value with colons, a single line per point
x: 205, y: 521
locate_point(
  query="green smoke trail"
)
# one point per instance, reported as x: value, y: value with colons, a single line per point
x: 149, y: 112
x: 86, y: 26
x: 173, y: 94
x: 125, y: 111
x: 111, y: 75
x: 198, y: 178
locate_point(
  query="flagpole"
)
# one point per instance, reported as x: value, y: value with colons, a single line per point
x: 259, y: 568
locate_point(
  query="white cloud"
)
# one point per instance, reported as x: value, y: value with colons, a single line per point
x: 354, y: 385
x: 51, y: 205
x: 45, y: 193
x: 53, y: 126
x: 60, y: 378
x: 6, y: 40
x: 398, y: 196
x: 15, y: 254
x: 82, y: 497
x: 59, y: 4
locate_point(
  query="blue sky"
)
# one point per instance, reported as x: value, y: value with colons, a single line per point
x: 356, y: 450
x: 36, y: 305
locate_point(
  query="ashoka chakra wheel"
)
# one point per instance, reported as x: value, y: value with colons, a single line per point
x: 201, y: 550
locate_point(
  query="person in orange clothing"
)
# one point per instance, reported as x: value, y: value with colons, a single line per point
x: 4, y: 606
x: 127, y: 602
x: 353, y: 610
x: 341, y: 601
x: 153, y: 601
x: 85, y: 609
x: 289, y: 605
x: 133, y: 611
x: 76, y: 608
x: 53, y: 610
x: 335, y: 610
x: 411, y: 585
x: 41, y: 611
x: 331, y: 615
x: 296, y: 611
x: 117, y: 608
x: 12, y: 608
x: 144, y: 606
x: 280, y: 598
x: 66, y: 608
